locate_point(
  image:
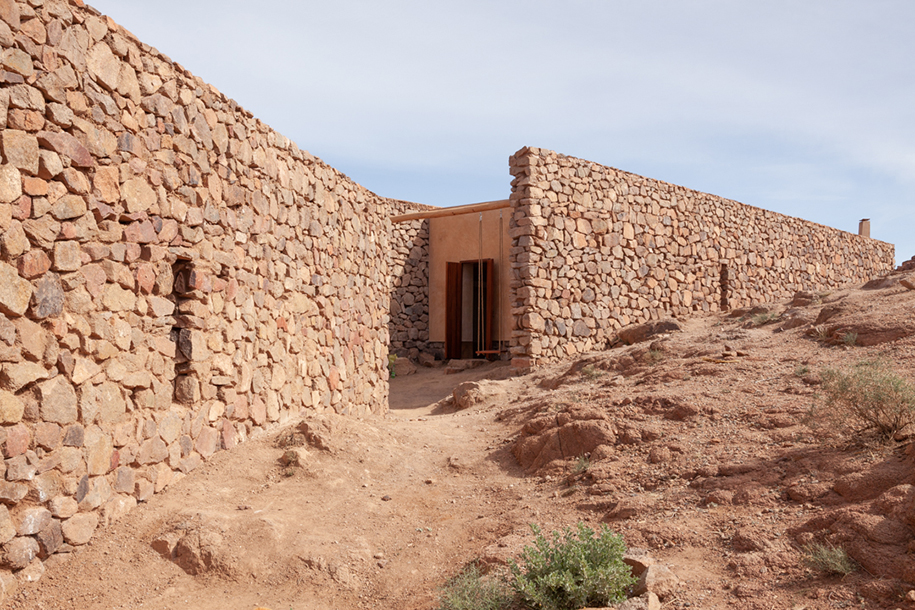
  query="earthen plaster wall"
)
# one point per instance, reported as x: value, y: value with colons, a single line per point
x: 456, y: 239
x: 595, y: 248
x: 174, y: 276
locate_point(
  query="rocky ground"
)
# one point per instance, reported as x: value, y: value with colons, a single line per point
x: 695, y: 444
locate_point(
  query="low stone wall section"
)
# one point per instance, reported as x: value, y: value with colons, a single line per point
x: 596, y: 248
x: 174, y: 277
x: 409, y: 267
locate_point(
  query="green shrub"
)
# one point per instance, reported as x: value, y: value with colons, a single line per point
x: 850, y: 339
x: 870, y: 396
x: 572, y: 570
x: 827, y: 558
x: 471, y: 590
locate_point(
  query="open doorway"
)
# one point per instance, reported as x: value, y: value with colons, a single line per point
x: 469, y: 309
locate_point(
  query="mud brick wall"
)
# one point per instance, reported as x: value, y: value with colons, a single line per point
x: 595, y: 248
x: 174, y: 276
x: 409, y: 267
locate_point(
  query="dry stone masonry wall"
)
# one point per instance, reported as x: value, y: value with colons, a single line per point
x: 596, y: 248
x: 174, y: 276
x: 409, y: 267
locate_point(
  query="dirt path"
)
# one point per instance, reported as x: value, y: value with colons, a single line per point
x: 378, y: 521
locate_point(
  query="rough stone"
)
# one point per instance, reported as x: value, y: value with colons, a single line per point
x: 32, y: 520
x: 78, y: 529
x: 63, y: 507
x: 10, y: 184
x: 48, y: 297
x: 34, y: 264
x: 11, y: 408
x: 57, y: 400
x: 15, y: 292
x: 7, y: 528
x: 14, y: 377
x: 104, y: 66
x: 17, y: 441
x: 69, y: 207
x: 50, y: 539
x: 68, y: 146
x: 137, y: 195
x: 12, y: 493
x: 20, y: 149
x: 19, y: 552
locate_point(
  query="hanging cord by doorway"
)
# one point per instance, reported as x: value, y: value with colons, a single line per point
x: 498, y: 287
x: 480, y: 321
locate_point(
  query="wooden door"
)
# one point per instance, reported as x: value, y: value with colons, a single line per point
x: 454, y: 283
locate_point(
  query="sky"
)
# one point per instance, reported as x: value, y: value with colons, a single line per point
x: 804, y: 108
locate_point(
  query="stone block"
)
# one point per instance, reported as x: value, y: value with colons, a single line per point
x: 20, y: 149
x: 99, y: 456
x: 69, y: 207
x: 32, y: 520
x: 15, y: 292
x: 93, y: 493
x: 68, y: 146
x: 19, y: 469
x: 57, y: 400
x: 116, y: 298
x: 16, y: 442
x: 47, y: 435
x: 74, y: 436
x: 50, y: 539
x: 33, y: 264
x: 48, y: 297
x: 11, y: 493
x: 143, y: 490
x: 152, y: 451
x: 187, y: 389
x: 137, y: 195
x: 104, y: 66
x: 116, y: 508
x: 7, y: 528
x: 10, y: 184
x: 125, y: 479
x: 63, y: 507
x: 15, y: 242
x: 11, y: 408
x: 79, y: 529
x: 19, y: 552
x: 207, y: 442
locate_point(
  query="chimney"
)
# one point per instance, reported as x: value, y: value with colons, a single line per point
x: 864, y: 227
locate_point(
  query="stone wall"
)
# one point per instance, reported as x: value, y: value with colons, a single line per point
x: 595, y: 249
x: 174, y: 277
x: 409, y: 267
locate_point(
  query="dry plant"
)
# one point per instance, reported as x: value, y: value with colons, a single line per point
x: 870, y: 397
x: 828, y: 558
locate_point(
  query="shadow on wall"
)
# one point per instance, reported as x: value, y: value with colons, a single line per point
x: 408, y: 325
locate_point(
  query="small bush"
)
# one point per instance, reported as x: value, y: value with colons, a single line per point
x: 827, y: 558
x: 592, y: 372
x: 582, y: 464
x: 801, y: 370
x: 870, y: 396
x: 471, y: 590
x: 654, y: 356
x: 850, y: 339
x: 572, y: 570
x: 764, y: 318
